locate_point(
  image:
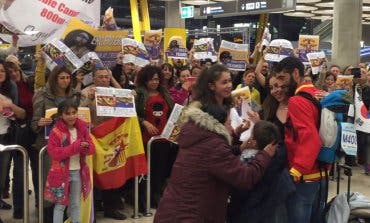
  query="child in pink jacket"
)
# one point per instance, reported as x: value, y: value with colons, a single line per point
x: 69, y: 144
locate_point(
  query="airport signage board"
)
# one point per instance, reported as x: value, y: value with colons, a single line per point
x: 187, y: 12
x: 246, y: 7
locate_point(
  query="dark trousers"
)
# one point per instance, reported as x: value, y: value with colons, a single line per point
x: 163, y: 156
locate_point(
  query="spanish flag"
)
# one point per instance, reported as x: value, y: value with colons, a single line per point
x: 119, y: 152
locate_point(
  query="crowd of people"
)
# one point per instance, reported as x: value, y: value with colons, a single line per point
x: 209, y: 175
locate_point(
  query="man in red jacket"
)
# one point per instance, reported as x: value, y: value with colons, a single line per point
x: 303, y: 144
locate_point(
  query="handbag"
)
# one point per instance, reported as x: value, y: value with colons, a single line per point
x: 21, y: 134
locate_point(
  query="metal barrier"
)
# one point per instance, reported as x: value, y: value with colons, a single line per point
x: 41, y: 190
x: 25, y: 176
x: 148, y: 146
x: 41, y: 184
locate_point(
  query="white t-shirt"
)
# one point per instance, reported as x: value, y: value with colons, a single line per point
x: 74, y: 161
x: 4, y: 122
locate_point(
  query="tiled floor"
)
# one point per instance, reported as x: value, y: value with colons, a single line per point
x: 360, y: 182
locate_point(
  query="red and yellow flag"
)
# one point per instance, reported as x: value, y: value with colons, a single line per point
x: 119, y: 152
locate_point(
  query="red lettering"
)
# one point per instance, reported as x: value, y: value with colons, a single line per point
x: 50, y: 3
x: 49, y: 15
x: 67, y: 11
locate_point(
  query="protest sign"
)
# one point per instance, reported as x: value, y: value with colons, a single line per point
x: 204, y: 49
x: 344, y: 82
x: 233, y: 55
x: 153, y: 44
x: 278, y: 50
x: 243, y: 103
x: 106, y: 44
x: 57, y: 53
x: 134, y: 52
x: 316, y: 60
x: 172, y: 129
x: 40, y: 21
x: 175, y: 43
x: 114, y: 102
x: 307, y: 44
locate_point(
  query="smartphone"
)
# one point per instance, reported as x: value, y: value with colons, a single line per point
x: 356, y: 72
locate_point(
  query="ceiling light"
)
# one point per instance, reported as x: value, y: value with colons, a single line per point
x: 366, y: 22
x: 365, y: 15
x: 322, y: 17
x: 325, y: 4
x: 197, y: 2
x: 299, y: 14
x: 305, y: 8
x: 324, y: 11
x: 366, y: 8
x: 308, y: 1
x: 367, y: 19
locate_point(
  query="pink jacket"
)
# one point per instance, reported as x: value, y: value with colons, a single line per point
x: 60, y: 150
x: 179, y: 94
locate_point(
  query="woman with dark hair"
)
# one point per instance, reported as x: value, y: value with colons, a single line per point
x: 181, y: 91
x: 206, y: 169
x: 58, y: 88
x: 265, y: 203
x: 153, y: 107
x: 9, y: 110
x: 168, y: 72
x: 25, y: 136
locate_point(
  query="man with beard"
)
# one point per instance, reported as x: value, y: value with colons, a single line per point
x: 303, y: 144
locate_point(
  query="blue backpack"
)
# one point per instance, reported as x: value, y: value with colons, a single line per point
x: 332, y: 109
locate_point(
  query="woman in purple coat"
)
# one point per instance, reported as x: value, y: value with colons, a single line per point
x: 206, y: 169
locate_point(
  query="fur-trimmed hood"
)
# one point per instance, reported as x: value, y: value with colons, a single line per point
x: 194, y: 114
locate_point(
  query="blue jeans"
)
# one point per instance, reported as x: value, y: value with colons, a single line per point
x: 74, y: 199
x: 307, y: 203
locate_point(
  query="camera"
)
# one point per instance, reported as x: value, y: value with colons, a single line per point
x: 356, y: 72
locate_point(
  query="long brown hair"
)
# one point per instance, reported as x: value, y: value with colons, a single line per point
x: 206, y: 97
x: 53, y: 79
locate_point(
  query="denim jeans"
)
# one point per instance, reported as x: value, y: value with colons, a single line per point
x: 307, y: 203
x: 74, y: 199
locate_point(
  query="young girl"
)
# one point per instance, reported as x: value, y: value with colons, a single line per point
x: 69, y: 144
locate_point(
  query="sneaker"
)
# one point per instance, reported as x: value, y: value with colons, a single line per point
x: 4, y: 205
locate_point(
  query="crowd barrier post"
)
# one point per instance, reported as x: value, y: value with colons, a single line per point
x: 25, y: 176
x: 41, y: 184
x: 136, y: 204
x: 149, y: 145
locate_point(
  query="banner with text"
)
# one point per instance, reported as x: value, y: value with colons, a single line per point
x: 307, y: 44
x: 82, y: 38
x: 233, y: 55
x: 39, y: 21
x: 153, y: 44
x: 175, y: 43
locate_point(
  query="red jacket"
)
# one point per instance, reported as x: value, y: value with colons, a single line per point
x: 204, y: 172
x: 60, y: 150
x: 302, y: 137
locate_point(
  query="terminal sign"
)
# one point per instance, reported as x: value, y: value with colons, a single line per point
x: 247, y: 7
x: 187, y: 12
